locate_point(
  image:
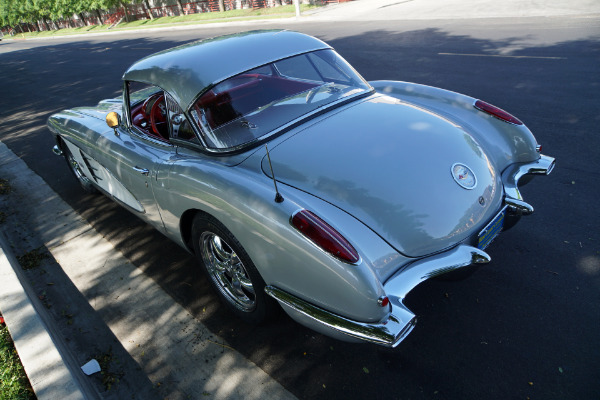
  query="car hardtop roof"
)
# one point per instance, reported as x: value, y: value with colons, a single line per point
x: 186, y: 71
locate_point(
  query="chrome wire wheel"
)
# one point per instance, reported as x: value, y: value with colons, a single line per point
x: 227, y: 271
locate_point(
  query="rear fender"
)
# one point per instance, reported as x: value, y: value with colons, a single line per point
x: 284, y: 257
x: 504, y: 143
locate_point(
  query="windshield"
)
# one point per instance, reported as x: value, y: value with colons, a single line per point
x: 252, y: 104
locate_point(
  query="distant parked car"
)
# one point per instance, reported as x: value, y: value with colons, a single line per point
x: 296, y: 182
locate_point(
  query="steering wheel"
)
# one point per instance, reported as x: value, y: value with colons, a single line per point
x: 154, y: 109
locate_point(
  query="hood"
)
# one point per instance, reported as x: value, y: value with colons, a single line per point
x: 389, y: 164
x: 103, y: 108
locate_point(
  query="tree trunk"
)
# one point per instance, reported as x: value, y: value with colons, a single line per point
x: 45, y: 24
x: 99, y: 17
x: 180, y: 6
x: 82, y: 19
x: 148, y: 10
x: 126, y: 12
x: 221, y: 5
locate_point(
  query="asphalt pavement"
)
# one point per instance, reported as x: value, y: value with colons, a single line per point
x: 147, y: 344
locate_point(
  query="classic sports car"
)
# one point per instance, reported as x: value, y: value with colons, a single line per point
x: 296, y: 182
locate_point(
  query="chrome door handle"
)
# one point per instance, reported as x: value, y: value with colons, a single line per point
x: 143, y: 171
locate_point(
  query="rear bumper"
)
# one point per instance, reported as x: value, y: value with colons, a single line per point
x: 400, y: 320
x: 389, y: 332
x: 511, y: 176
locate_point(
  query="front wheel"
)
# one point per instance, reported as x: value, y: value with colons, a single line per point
x: 74, y: 167
x: 231, y: 271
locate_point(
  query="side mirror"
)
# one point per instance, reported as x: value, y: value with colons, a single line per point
x: 113, y: 120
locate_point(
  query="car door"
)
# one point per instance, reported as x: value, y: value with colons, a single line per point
x: 140, y: 162
x: 136, y: 154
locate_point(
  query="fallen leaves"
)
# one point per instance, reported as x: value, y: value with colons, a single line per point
x: 33, y: 258
x: 4, y: 186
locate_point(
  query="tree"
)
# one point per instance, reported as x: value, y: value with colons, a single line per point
x: 97, y: 5
x: 180, y: 6
x: 148, y: 9
x: 124, y: 5
x: 9, y: 12
x: 37, y: 12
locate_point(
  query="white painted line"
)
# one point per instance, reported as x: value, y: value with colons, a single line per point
x: 500, y: 55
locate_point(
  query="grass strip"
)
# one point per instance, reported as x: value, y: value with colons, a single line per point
x: 14, y: 384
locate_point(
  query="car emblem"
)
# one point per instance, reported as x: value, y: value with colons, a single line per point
x: 464, y: 176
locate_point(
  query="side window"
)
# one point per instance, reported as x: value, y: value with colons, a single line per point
x: 147, y: 109
x: 179, y: 126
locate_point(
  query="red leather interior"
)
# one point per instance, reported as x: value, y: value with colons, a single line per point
x: 142, y: 121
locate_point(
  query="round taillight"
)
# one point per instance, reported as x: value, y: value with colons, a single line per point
x: 324, y: 236
x: 496, y: 112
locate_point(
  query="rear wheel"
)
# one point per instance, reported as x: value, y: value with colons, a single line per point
x: 231, y: 271
x: 74, y: 167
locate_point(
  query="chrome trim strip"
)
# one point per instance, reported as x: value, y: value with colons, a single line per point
x: 56, y: 150
x: 387, y: 333
x: 510, y: 178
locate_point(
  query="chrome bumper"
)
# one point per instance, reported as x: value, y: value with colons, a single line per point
x: 400, y: 321
x: 511, y: 176
x: 387, y: 333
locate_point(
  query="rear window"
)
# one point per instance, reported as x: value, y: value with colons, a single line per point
x: 248, y: 106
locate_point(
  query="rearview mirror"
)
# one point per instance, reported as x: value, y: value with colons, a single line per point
x: 113, y: 120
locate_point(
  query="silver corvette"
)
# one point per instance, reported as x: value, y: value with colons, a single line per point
x: 298, y: 184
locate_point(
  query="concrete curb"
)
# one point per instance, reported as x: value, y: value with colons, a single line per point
x: 51, y: 376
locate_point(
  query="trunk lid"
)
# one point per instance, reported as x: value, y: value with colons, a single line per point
x: 388, y: 163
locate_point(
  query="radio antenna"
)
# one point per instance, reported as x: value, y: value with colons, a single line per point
x: 278, y: 196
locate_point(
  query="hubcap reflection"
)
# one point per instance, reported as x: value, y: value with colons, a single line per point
x: 227, y: 271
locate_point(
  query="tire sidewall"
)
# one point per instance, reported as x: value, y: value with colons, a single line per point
x: 265, y: 307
